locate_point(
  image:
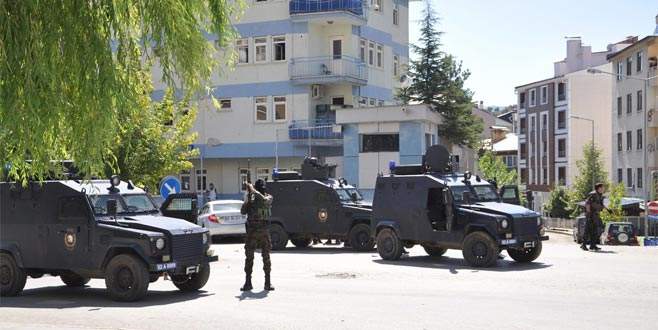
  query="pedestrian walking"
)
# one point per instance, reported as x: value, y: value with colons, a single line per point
x: 257, y: 207
x: 212, y: 193
x: 593, y: 223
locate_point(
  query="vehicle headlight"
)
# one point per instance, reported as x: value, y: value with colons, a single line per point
x: 504, y: 223
x: 205, y: 238
x: 542, y: 231
x: 160, y: 243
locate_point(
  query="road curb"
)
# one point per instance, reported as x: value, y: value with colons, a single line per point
x: 560, y: 231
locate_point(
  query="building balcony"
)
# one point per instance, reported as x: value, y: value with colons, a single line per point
x: 328, y: 11
x: 328, y: 70
x: 316, y: 132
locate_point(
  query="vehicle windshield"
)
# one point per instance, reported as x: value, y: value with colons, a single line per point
x: 345, y: 194
x: 227, y: 207
x: 129, y: 203
x: 479, y: 193
x: 616, y: 229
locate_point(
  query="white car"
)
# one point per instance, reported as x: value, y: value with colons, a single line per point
x: 223, y: 218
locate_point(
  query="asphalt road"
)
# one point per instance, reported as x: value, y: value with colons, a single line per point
x: 327, y: 287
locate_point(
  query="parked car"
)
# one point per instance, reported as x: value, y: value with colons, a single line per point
x: 619, y: 233
x: 223, y: 218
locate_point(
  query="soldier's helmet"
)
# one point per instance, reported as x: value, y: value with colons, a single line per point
x: 260, y: 186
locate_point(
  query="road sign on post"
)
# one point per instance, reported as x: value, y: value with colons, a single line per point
x: 169, y: 185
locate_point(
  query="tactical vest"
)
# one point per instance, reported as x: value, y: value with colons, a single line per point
x: 260, y: 210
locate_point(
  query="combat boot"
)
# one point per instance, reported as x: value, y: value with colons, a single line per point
x: 268, y: 284
x: 247, y: 284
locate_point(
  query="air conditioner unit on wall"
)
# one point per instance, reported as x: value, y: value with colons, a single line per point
x: 316, y: 91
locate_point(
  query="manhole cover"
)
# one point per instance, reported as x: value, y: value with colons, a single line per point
x: 336, y: 275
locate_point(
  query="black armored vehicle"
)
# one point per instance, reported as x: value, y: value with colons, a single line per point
x: 430, y: 205
x: 313, y: 204
x: 96, y: 229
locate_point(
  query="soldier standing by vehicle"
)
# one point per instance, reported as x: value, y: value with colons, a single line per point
x: 593, y: 208
x: 257, y: 207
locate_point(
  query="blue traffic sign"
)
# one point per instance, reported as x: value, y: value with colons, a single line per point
x: 169, y: 185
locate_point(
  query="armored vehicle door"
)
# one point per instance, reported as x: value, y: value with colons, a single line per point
x: 440, y: 209
x: 68, y: 237
x: 181, y: 206
x: 510, y: 194
x: 326, y: 212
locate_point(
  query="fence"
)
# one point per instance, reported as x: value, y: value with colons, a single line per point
x: 641, y: 225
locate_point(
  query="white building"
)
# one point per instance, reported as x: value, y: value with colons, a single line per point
x: 632, y: 103
x: 298, y: 62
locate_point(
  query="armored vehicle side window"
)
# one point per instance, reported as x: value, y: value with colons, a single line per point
x: 509, y: 193
x: 99, y: 203
x: 73, y: 208
x: 180, y: 204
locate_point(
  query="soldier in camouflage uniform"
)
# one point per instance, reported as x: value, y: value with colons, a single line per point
x: 593, y: 223
x: 257, y: 207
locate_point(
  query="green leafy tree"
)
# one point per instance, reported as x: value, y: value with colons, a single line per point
x: 72, y: 71
x: 403, y: 95
x: 438, y: 79
x: 154, y: 142
x: 590, y: 171
x: 557, y: 204
x: 493, y: 167
x: 614, y: 211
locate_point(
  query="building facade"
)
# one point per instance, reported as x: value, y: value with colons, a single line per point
x: 634, y: 101
x: 556, y: 115
x: 298, y: 63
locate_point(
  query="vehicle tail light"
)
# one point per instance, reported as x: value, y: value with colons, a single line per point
x: 213, y: 218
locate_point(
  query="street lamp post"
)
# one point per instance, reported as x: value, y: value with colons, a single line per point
x: 645, y: 167
x: 593, y: 164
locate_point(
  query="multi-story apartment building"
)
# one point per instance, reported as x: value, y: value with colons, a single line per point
x: 298, y: 62
x: 551, y: 128
x: 634, y: 100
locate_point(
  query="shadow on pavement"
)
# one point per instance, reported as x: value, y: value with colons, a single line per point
x: 228, y: 240
x: 454, y: 265
x: 62, y: 297
x: 320, y: 250
x: 250, y: 295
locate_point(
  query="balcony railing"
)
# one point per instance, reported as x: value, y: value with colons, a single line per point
x: 328, y: 69
x: 297, y: 7
x: 314, y: 130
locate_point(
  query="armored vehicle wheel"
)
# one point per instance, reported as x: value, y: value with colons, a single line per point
x: 360, y: 239
x: 526, y: 255
x: 480, y: 250
x: 301, y: 242
x: 12, y: 277
x: 194, y: 282
x: 73, y: 280
x: 126, y: 278
x: 434, y: 250
x: 278, y: 236
x: 389, y: 245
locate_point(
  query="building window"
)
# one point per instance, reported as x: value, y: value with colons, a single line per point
x: 224, y: 104
x: 533, y: 126
x: 261, y: 50
x: 562, y: 148
x: 243, y: 50
x: 396, y: 17
x: 201, y: 179
x: 245, y: 176
x: 561, y: 119
x: 561, y: 91
x: 639, y: 101
x: 533, y: 97
x: 619, y: 106
x: 372, y: 102
x: 263, y: 174
x: 620, y: 175
x: 396, y: 65
x: 380, y: 143
x: 544, y: 178
x: 363, y: 101
x: 377, y: 5
x: 362, y: 50
x: 629, y: 177
x: 629, y: 140
x: 620, y: 70
x: 380, y: 56
x: 639, y: 178
x: 524, y: 175
x: 279, y: 44
x: 638, y: 61
x: 629, y: 66
x: 620, y: 143
x: 629, y: 103
x: 522, y: 152
x: 261, y: 108
x: 371, y: 53
x: 544, y: 94
x: 523, y: 126
x: 185, y: 180
x: 639, y: 139
x: 279, y: 108
x: 562, y: 175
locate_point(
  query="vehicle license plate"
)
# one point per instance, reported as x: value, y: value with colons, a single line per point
x: 508, y: 241
x: 167, y: 266
x: 192, y: 270
x: 233, y: 219
x: 529, y: 244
